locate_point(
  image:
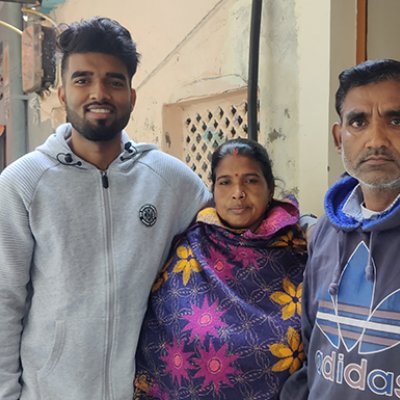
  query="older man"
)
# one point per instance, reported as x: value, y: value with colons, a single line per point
x: 351, y: 297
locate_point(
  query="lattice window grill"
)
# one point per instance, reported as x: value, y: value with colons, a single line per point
x: 208, y: 128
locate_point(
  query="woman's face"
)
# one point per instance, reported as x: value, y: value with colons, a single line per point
x: 241, y: 193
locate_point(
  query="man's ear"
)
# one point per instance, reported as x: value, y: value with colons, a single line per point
x: 133, y: 99
x: 337, y: 136
x: 61, y: 95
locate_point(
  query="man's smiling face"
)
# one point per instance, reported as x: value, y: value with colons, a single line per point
x: 97, y: 95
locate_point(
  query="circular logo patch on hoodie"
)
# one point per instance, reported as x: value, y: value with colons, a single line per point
x: 148, y: 214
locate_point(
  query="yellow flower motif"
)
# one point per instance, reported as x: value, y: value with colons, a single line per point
x: 290, y: 299
x: 163, y: 276
x: 186, y: 264
x: 289, y: 239
x: 291, y: 354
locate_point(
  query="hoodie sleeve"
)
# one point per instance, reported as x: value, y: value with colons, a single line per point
x: 16, y: 246
x: 190, y: 193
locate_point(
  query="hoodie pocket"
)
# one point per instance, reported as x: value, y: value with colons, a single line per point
x: 57, y: 348
x: 75, y: 367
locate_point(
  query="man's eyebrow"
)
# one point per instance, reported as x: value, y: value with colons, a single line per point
x: 78, y: 74
x: 354, y: 114
x: 392, y: 113
x: 117, y: 75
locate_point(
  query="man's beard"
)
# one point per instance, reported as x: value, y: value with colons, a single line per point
x: 381, y: 183
x: 97, y: 131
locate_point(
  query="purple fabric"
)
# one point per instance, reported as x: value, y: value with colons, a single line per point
x: 224, y: 316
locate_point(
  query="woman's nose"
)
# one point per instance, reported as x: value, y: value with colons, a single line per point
x: 238, y: 194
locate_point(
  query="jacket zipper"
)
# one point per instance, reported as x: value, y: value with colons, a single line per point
x: 104, y: 179
x: 110, y: 288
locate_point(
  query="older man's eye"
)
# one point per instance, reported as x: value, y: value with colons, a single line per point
x: 357, y: 123
x: 395, y: 121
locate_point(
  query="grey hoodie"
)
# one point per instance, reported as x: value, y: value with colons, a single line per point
x: 79, y: 250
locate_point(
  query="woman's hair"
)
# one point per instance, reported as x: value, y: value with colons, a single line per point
x: 246, y: 148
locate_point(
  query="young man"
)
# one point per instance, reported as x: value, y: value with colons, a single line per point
x: 351, y: 296
x: 86, y: 222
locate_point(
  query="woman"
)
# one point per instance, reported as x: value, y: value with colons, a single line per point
x: 224, y: 316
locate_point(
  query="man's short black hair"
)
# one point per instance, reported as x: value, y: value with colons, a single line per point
x: 370, y: 71
x: 99, y: 35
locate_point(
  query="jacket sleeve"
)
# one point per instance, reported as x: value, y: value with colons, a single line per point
x: 16, y: 246
x: 191, y: 193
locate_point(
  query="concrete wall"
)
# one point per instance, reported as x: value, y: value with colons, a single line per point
x: 305, y: 45
x: 383, y: 29
x: 173, y: 56
x: 193, y: 49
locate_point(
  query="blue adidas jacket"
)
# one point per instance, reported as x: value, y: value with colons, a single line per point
x: 351, y: 306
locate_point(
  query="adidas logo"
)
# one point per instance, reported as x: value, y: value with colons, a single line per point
x: 349, y: 319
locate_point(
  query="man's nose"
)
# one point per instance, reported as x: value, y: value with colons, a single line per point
x: 378, y: 135
x: 99, y: 92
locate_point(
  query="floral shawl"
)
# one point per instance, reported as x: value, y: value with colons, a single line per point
x: 224, y: 316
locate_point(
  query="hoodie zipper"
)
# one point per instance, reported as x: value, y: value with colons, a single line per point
x: 104, y: 179
x: 110, y: 295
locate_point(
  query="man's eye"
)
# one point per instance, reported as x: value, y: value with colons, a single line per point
x: 357, y: 123
x: 395, y: 121
x: 80, y: 81
x: 117, y: 84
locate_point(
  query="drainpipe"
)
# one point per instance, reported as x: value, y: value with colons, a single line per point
x: 15, y: 104
x: 254, y: 46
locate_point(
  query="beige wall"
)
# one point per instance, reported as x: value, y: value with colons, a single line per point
x: 305, y: 45
x: 383, y: 29
x: 192, y: 49
x: 185, y: 45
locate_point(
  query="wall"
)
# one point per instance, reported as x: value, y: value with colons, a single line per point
x: 162, y: 30
x: 279, y: 92
x: 383, y: 29
x: 193, y: 49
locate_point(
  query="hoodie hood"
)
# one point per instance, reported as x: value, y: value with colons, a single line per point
x: 57, y: 148
x: 335, y: 200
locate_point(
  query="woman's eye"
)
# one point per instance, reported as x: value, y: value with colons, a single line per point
x: 252, y: 180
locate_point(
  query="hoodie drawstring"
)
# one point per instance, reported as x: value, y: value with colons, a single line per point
x: 334, y: 285
x: 66, y: 159
x: 369, y: 268
x: 130, y: 148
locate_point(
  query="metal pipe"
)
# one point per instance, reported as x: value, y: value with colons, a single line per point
x: 254, y: 47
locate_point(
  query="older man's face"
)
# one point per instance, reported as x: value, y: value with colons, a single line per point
x: 369, y: 135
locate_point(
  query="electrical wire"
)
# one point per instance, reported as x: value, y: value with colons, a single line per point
x: 12, y: 27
